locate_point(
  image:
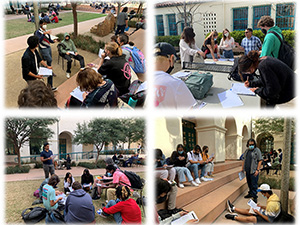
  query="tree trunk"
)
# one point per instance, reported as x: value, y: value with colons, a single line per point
x: 139, y: 11
x: 285, y: 170
x: 36, y: 15
x: 19, y: 155
x: 184, y: 14
x: 98, y: 152
x: 74, y: 6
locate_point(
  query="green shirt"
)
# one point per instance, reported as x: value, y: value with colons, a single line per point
x: 271, y: 43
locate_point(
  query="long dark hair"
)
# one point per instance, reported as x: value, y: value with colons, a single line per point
x: 67, y: 176
x: 86, y: 173
x: 248, y: 61
x: 188, y: 35
x: 180, y: 146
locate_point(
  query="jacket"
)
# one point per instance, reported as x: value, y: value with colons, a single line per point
x: 187, y: 52
x: 175, y: 160
x: 70, y: 46
x: 118, y: 71
x: 79, y: 207
x: 273, y: 206
x: 29, y: 65
x: 271, y: 43
x: 44, y: 39
x: 276, y: 82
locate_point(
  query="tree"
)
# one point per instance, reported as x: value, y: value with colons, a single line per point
x: 120, y: 5
x: 36, y: 15
x: 20, y: 130
x: 75, y: 20
x: 135, y: 130
x: 99, y: 132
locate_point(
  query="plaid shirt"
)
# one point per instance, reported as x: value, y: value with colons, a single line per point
x: 253, y: 43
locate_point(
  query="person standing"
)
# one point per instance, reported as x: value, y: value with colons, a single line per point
x: 47, y: 159
x: 122, y: 21
x: 250, y: 42
x: 251, y: 165
x: 227, y: 44
x: 45, y: 49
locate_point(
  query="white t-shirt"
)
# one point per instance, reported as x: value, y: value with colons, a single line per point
x: 171, y: 92
x: 186, y: 51
x: 193, y: 157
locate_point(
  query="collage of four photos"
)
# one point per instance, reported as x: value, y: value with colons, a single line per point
x: 141, y: 112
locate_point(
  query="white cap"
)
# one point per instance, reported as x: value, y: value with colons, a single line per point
x: 264, y: 187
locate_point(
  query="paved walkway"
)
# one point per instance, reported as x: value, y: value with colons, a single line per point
x: 36, y: 174
x: 19, y: 43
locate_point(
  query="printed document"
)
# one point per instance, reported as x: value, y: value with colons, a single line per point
x: 240, y: 89
x: 182, y: 220
x: 45, y: 72
x: 230, y: 99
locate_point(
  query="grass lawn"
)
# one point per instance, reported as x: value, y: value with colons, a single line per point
x: 19, y: 196
x: 19, y: 27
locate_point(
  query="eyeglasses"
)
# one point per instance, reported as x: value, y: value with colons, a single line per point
x: 246, y: 32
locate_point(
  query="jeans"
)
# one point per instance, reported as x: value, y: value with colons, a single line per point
x: 252, y: 184
x: 120, y: 29
x: 48, y: 168
x: 228, y: 54
x: 209, y: 56
x: 69, y: 59
x: 195, y: 168
x: 117, y: 216
x: 181, y: 172
x: 47, y: 56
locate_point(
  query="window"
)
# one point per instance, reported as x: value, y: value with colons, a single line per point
x: 160, y: 25
x: 210, y: 23
x: 259, y: 11
x: 10, y: 149
x: 172, y: 24
x: 285, y: 16
x: 240, y: 18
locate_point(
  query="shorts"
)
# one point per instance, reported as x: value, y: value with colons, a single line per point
x: 259, y: 219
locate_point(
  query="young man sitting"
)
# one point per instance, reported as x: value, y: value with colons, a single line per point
x: 267, y: 214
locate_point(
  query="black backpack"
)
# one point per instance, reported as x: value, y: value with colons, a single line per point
x: 61, y: 46
x: 34, y: 215
x: 135, y: 180
x: 284, y: 217
x: 139, y: 96
x: 234, y: 73
x: 286, y: 52
x: 54, y: 216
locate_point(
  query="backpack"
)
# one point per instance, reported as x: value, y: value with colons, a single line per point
x: 199, y: 84
x: 138, y: 59
x: 286, y: 53
x: 135, y: 180
x: 234, y: 73
x: 284, y: 217
x: 36, y: 193
x: 35, y: 214
x: 139, y: 96
x: 54, y: 216
x: 61, y: 46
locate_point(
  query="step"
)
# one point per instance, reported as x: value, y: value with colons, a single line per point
x: 188, y: 194
x: 211, y: 205
x: 220, y: 167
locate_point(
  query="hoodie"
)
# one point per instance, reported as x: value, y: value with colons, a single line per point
x: 70, y: 46
x: 271, y: 43
x: 79, y: 207
x: 273, y: 206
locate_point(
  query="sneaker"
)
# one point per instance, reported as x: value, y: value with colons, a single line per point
x: 172, y: 182
x: 174, y: 211
x: 100, y: 212
x: 231, y: 216
x: 82, y: 68
x: 230, y: 206
x: 197, y: 180
x: 194, y: 183
x: 68, y: 75
x: 54, y: 88
x: 248, y: 196
x: 203, y: 179
x: 180, y: 185
x: 255, y: 200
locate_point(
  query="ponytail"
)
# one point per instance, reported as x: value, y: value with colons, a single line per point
x: 114, y: 48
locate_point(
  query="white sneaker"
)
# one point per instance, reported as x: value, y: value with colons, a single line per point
x: 68, y: 75
x: 181, y: 185
x: 194, y: 183
x: 197, y: 181
x: 203, y: 179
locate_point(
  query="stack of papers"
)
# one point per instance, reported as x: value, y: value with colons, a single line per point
x: 253, y: 205
x: 240, y: 89
x: 182, y: 220
x: 64, y: 198
x: 45, y: 72
x: 182, y: 74
x: 230, y: 99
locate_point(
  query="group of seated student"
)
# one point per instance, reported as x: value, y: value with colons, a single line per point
x: 272, y: 161
x: 129, y: 162
x: 184, y: 164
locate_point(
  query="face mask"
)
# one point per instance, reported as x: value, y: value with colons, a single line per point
x: 226, y: 35
x: 180, y: 152
x: 264, y: 31
x: 251, y: 147
x: 44, y: 27
x: 161, y: 199
x: 206, y: 151
x: 196, y: 153
x: 215, y: 39
x: 108, y: 174
x: 170, y: 69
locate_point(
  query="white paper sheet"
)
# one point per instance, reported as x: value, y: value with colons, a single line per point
x: 211, y: 156
x: 242, y: 175
x: 182, y: 74
x: 45, y: 72
x: 71, y: 52
x: 78, y: 94
x: 230, y: 99
x: 64, y: 198
x: 253, y: 205
x: 240, y: 89
x: 182, y: 220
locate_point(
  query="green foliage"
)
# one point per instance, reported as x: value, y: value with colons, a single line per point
x: 85, y: 42
x: 275, y: 182
x: 101, y: 164
x: 131, y: 23
x: 73, y: 164
x: 173, y: 40
x: 38, y: 164
x: 17, y: 169
x: 289, y: 36
x: 270, y: 125
x: 87, y: 165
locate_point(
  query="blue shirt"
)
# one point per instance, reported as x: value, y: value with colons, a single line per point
x: 253, y: 43
x: 47, y: 155
x: 49, y: 195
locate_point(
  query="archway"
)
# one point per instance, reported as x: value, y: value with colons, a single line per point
x: 231, y: 139
x: 246, y: 137
x: 265, y: 142
x: 65, y: 144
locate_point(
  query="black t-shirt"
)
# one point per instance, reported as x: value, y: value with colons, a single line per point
x: 248, y: 160
x: 207, y: 42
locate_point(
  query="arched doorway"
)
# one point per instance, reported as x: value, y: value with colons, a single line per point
x: 246, y: 137
x: 265, y: 142
x: 65, y: 144
x: 231, y: 142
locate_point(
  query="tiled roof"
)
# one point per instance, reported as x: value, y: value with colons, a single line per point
x: 176, y: 3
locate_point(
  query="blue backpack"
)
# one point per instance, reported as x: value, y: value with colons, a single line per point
x: 138, y: 59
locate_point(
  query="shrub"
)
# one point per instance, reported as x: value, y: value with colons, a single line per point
x: 38, y: 164
x: 87, y: 165
x: 172, y: 40
x: 101, y: 164
x: 17, y: 169
x: 131, y: 23
x: 73, y: 164
x: 275, y: 182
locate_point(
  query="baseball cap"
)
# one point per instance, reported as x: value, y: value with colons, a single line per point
x: 165, y: 48
x: 264, y: 187
x: 109, y: 161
